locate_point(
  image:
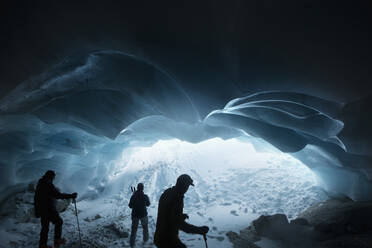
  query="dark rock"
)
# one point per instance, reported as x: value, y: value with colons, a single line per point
x: 337, y: 223
x: 276, y: 227
x: 300, y: 221
x: 119, y: 230
x: 336, y: 218
x: 270, y: 225
x: 349, y: 241
x: 97, y: 216
x: 250, y: 234
x: 240, y: 242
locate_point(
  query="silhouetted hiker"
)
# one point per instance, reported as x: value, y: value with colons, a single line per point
x: 45, y: 207
x: 138, y: 203
x: 171, y: 217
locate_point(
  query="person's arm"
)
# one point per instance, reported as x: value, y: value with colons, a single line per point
x: 188, y: 228
x: 147, y: 201
x: 183, y: 225
x: 58, y: 195
x: 179, y: 218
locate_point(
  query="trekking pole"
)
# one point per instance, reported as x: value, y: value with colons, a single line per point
x: 205, y: 240
x: 77, y: 219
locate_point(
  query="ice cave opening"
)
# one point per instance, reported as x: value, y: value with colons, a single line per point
x: 236, y: 181
x: 233, y: 178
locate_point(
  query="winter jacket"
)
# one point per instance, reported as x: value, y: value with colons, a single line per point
x: 45, y: 197
x: 138, y: 203
x: 171, y: 219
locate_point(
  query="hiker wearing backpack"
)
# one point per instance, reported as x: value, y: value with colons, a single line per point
x: 138, y: 203
x: 45, y: 208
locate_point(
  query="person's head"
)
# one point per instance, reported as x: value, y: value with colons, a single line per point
x: 183, y: 183
x: 50, y: 175
x: 140, y: 187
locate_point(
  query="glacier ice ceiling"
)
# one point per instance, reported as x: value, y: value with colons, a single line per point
x: 88, y: 112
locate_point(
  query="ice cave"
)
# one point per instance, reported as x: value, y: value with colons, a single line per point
x: 108, y: 120
x: 266, y: 105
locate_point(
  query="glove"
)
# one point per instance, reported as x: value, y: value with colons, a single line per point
x: 74, y: 195
x: 203, y: 230
x: 185, y: 216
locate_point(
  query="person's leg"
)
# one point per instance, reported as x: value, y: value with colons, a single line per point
x: 145, y: 227
x: 133, y: 232
x: 44, y: 231
x: 58, y: 222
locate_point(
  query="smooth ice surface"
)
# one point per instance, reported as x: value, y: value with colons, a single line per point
x: 318, y: 104
x: 102, y: 92
x: 235, y: 181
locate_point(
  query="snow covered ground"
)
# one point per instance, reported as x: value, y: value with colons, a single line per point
x: 235, y: 182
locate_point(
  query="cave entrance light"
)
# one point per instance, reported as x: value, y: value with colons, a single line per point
x: 233, y: 178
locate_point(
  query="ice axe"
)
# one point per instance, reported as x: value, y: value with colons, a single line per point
x: 77, y: 219
x: 133, y: 189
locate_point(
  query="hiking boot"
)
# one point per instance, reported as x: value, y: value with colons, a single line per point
x: 59, y: 242
x: 45, y: 246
